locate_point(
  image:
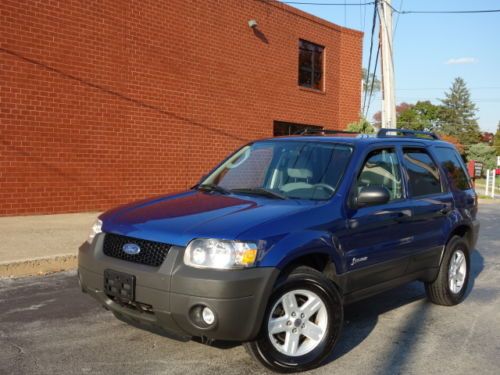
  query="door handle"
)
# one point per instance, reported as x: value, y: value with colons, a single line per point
x: 402, y: 215
x: 445, y: 210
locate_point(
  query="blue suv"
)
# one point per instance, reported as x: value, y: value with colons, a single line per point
x: 269, y: 246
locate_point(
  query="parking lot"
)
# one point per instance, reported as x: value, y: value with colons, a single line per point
x: 47, y: 326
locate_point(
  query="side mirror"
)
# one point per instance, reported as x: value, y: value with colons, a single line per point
x: 371, y: 196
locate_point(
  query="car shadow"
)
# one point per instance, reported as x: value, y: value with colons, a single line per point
x: 476, y: 267
x: 360, y: 318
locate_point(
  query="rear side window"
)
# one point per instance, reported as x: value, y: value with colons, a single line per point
x: 423, y: 173
x: 453, y: 167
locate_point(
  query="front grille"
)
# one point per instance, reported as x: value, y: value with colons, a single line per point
x: 151, y: 254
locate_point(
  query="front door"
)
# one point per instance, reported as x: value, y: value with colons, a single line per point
x: 377, y: 238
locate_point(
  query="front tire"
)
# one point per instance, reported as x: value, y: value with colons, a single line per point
x: 302, y: 324
x: 453, y: 278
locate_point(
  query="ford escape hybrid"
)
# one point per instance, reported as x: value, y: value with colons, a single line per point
x: 268, y: 247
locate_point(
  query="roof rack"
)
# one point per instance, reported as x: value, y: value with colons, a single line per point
x: 383, y: 133
x: 310, y: 131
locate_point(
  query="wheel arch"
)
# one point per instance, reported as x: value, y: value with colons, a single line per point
x: 318, y: 261
x: 462, y: 230
x: 318, y: 250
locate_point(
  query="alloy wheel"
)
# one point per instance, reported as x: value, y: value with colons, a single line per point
x: 297, y: 323
x: 457, y: 271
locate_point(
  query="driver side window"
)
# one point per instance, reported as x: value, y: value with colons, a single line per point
x: 381, y: 169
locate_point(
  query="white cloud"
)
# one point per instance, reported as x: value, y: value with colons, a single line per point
x: 462, y: 60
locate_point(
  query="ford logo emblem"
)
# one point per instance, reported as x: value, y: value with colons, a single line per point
x: 131, y: 249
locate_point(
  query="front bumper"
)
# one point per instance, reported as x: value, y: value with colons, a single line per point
x: 238, y: 297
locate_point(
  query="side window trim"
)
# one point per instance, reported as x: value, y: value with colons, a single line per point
x: 464, y: 168
x: 404, y: 172
x: 444, y: 186
x: 359, y: 169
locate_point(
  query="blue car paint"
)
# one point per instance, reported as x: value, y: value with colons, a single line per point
x: 177, y: 219
x: 288, y: 229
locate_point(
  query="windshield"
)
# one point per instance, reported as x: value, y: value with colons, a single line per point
x: 300, y: 170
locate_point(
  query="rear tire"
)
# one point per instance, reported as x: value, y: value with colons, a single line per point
x: 453, y: 278
x: 302, y: 324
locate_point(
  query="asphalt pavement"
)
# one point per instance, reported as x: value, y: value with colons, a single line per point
x: 47, y: 326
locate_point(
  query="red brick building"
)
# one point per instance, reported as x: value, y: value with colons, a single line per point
x: 106, y: 102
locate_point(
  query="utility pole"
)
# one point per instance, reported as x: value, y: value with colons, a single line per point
x: 388, y: 91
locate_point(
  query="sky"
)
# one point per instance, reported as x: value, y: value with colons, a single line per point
x: 430, y: 50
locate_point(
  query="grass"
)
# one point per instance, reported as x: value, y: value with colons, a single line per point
x: 482, y: 181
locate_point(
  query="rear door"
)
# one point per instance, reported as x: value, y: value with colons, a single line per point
x: 458, y: 180
x: 431, y: 204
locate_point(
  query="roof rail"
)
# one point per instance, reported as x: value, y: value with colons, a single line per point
x: 383, y: 133
x: 309, y: 131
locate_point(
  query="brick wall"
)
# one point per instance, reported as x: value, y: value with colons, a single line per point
x: 104, y: 102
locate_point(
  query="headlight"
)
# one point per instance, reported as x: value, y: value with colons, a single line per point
x: 220, y: 254
x: 95, y: 230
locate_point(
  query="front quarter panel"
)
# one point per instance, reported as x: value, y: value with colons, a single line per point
x: 299, y: 244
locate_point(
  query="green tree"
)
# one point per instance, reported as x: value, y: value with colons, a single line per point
x: 496, y: 142
x: 458, y: 115
x: 420, y: 116
x: 362, y: 126
x: 483, y: 153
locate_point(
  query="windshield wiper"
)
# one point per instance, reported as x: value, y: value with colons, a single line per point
x: 212, y: 187
x: 260, y: 191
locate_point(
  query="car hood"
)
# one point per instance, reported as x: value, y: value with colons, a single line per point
x: 177, y: 219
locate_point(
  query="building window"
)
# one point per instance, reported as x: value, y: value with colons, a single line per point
x: 289, y: 128
x: 310, y: 65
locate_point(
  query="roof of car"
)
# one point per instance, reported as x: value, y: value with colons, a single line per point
x: 359, y: 140
x: 383, y: 136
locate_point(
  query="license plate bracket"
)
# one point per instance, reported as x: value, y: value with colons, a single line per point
x: 119, y: 285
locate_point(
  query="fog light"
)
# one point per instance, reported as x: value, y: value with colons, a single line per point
x: 208, y: 316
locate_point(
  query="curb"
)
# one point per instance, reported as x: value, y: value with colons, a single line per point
x: 38, y: 266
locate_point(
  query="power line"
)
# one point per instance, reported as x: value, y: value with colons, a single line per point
x: 399, y: 11
x: 371, y: 87
x: 374, y: 22
x: 447, y: 88
x: 385, y: 15
x: 397, y: 19
x: 447, y: 11
x: 328, y: 4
